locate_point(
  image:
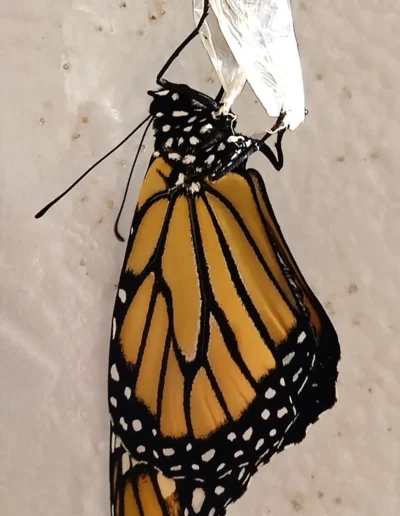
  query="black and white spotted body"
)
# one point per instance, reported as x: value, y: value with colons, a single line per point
x: 197, y: 138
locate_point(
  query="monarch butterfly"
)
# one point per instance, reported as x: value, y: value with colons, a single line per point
x: 220, y: 354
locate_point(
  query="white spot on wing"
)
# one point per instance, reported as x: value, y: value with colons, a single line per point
x: 232, y: 436
x: 219, y: 490
x: 179, y: 113
x: 169, y: 142
x: 176, y: 468
x: 122, y: 295
x: 260, y: 442
x: 302, y: 386
x: 237, y: 454
x: 194, y: 140
x: 292, y: 405
x: 296, y: 376
x: 113, y: 401
x: 168, y: 452
x: 114, y: 373
x: 248, y: 433
x: 127, y: 392
x: 272, y: 432
x: 226, y: 474
x: 175, y: 96
x: 137, y: 425
x: 114, y: 327
x: 301, y: 337
x: 198, y: 499
x: 140, y: 449
x: 166, y: 128
x: 174, y: 155
x: 210, y: 159
x: 288, y: 358
x: 123, y: 423
x: 270, y: 393
x: 265, y: 414
x: 242, y: 472
x: 282, y: 412
x: 206, y: 457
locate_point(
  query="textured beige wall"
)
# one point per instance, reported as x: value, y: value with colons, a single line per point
x: 74, y: 75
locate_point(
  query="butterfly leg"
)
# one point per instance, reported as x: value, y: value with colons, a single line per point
x: 278, y: 160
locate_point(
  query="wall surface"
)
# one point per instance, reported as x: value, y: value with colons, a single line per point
x: 74, y: 75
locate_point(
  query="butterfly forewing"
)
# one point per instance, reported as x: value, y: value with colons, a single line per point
x: 206, y: 309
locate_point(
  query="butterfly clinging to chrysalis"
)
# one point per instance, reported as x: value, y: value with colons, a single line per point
x: 220, y: 354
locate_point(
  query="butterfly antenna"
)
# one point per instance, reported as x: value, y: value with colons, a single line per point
x: 40, y: 213
x: 160, y: 81
x: 116, y: 230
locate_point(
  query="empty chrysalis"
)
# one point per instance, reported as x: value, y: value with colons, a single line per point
x: 254, y: 41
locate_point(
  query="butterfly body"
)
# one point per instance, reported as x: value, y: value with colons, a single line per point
x: 220, y: 354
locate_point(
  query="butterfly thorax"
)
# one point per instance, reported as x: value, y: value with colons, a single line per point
x: 196, y: 137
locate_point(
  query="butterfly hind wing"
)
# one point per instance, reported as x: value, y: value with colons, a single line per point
x: 321, y: 388
x: 137, y: 489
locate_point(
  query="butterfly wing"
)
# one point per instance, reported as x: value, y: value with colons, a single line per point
x: 318, y: 394
x: 138, y: 489
x: 216, y: 336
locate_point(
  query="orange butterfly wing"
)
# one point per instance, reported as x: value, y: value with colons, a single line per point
x: 220, y: 353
